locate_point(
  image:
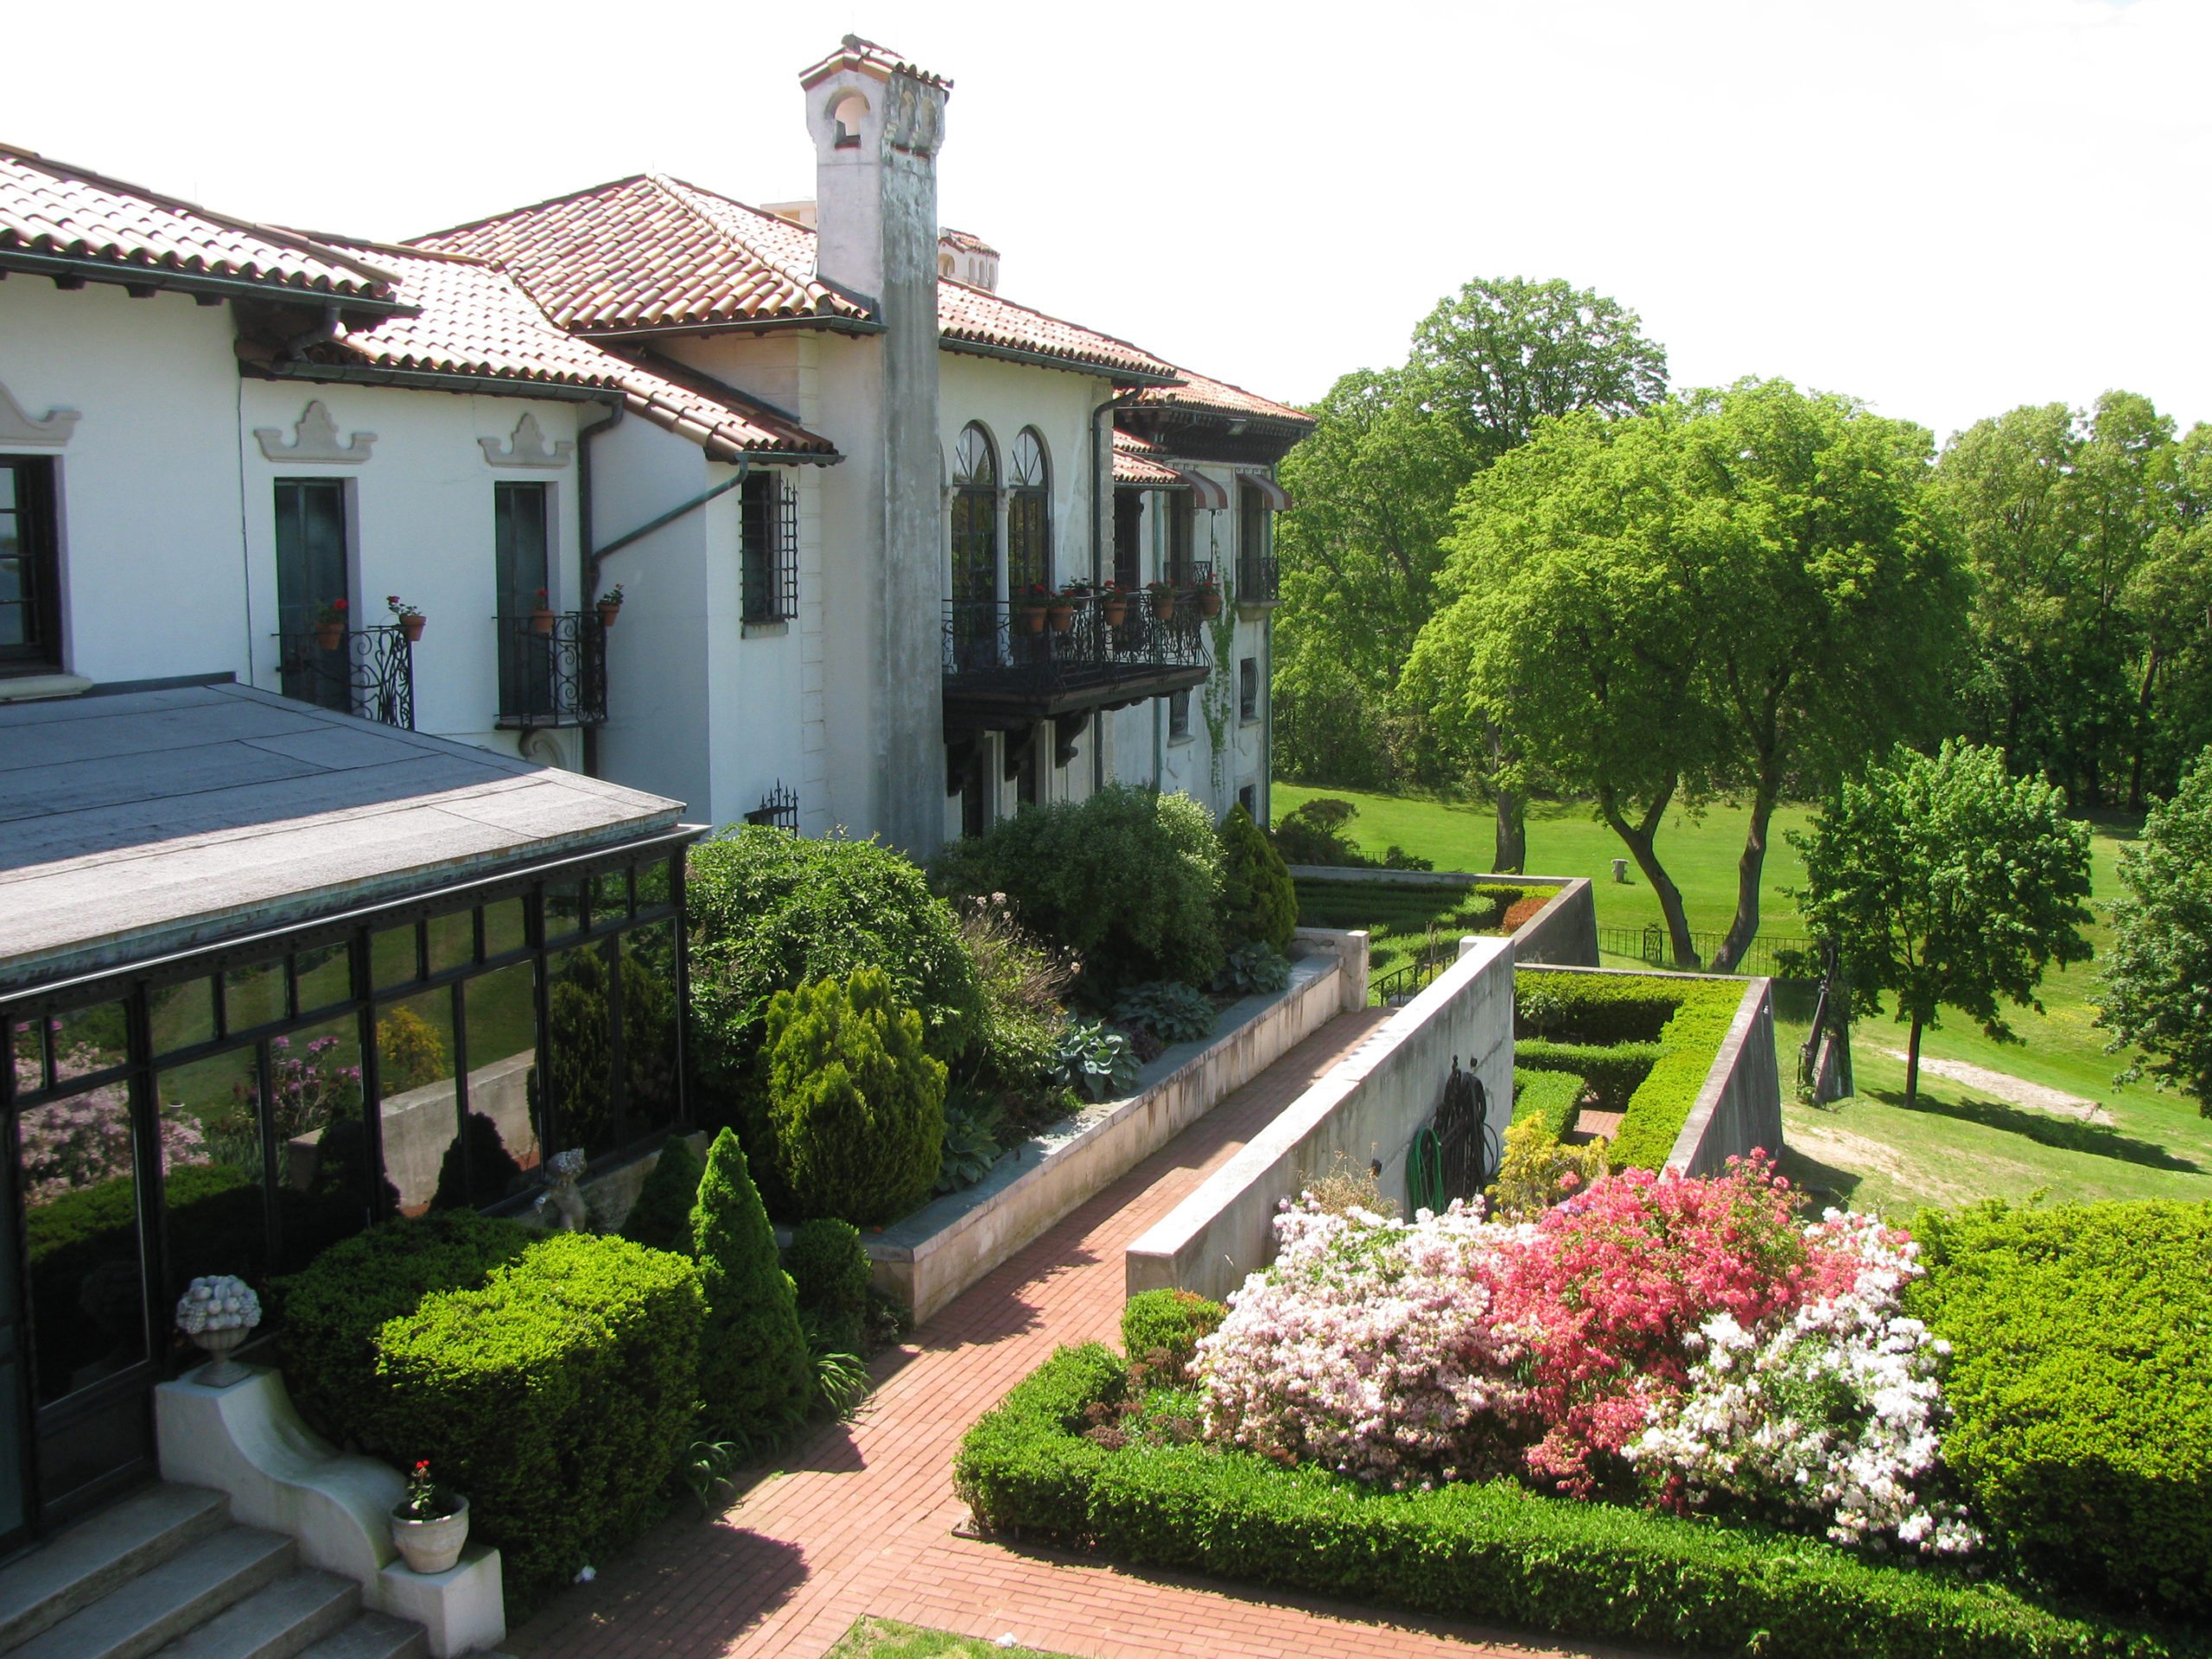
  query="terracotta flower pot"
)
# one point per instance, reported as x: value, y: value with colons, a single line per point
x: 608, y: 613
x: 412, y: 627
x: 329, y: 635
x: 431, y: 1546
x: 1032, y: 618
x: 1117, y: 612
x: 1062, y: 617
x: 1210, y: 602
x: 541, y: 621
x: 1163, y: 606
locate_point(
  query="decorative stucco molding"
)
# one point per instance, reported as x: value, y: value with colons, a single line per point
x: 315, y: 438
x: 527, y: 447
x: 17, y: 427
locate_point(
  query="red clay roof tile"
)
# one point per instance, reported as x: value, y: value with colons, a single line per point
x: 1201, y: 392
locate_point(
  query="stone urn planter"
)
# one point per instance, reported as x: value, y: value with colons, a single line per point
x: 219, y: 1313
x: 435, y: 1544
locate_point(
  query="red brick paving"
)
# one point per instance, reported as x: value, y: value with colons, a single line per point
x: 860, y: 1520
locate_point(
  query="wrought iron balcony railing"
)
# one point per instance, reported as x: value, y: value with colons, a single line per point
x: 365, y: 672
x: 1068, y: 643
x: 1258, y: 581
x: 552, y: 669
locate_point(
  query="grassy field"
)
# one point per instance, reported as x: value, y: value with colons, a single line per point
x: 883, y: 1638
x: 1958, y: 1143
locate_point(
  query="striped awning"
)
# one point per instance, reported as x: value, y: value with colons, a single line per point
x: 1204, y: 493
x: 1273, y: 494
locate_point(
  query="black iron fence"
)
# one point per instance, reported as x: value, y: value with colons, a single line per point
x: 552, y: 669
x: 365, y: 672
x: 1069, y: 641
x: 1779, y: 957
x: 1259, y: 580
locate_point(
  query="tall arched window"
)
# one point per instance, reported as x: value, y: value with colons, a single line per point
x: 974, y: 517
x: 1028, y: 517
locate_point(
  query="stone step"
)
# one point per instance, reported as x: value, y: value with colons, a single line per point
x: 275, y: 1621
x: 79, y: 1565
x: 373, y: 1635
x: 163, y: 1602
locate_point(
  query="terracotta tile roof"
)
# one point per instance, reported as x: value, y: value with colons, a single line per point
x: 880, y: 61
x: 963, y: 242
x: 1198, y: 392
x: 50, y: 212
x: 473, y: 320
x: 1137, y: 462
x: 981, y: 320
x: 648, y: 252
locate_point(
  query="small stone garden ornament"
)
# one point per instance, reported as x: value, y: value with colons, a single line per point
x: 217, y: 1312
x: 561, y: 1208
x: 430, y: 1524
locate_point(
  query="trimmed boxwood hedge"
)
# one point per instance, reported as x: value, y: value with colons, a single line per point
x: 1493, y: 1552
x: 1616, y: 1071
x: 1555, y: 1097
x: 2080, y: 1384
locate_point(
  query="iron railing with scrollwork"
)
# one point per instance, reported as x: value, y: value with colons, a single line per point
x: 552, y: 671
x: 365, y: 672
x: 1062, y: 643
x: 1259, y: 581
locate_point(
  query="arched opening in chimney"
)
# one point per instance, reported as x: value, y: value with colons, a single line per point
x: 848, y: 111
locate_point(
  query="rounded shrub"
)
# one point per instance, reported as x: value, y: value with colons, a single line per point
x: 1160, y: 1334
x: 1258, y: 903
x: 831, y: 1271
x: 662, y: 1216
x: 855, y: 1105
x: 1128, y: 879
x: 754, y: 1376
x: 1172, y: 1013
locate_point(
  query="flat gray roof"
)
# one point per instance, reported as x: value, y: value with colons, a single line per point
x: 134, y: 825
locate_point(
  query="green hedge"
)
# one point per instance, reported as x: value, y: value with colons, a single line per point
x: 1161, y: 1331
x: 556, y: 1398
x: 1495, y: 1552
x: 2080, y: 1378
x: 1616, y: 1071
x: 1555, y: 1097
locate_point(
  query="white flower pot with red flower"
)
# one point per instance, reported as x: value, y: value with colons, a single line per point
x: 429, y: 1525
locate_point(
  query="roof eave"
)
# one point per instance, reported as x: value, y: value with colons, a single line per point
x: 737, y: 326
x: 1118, y: 375
x: 115, y: 275
x: 454, y: 380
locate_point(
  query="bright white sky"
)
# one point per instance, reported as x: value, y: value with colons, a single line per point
x: 1945, y: 208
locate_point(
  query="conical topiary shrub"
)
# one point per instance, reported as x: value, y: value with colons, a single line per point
x: 1258, y: 900
x: 754, y: 1376
x: 661, y: 1215
x: 856, y: 1107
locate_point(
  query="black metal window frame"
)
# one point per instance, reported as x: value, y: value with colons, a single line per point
x: 768, y: 518
x: 1028, y: 515
x: 1179, y: 714
x: 1247, y: 689
x: 34, y: 611
x: 133, y: 986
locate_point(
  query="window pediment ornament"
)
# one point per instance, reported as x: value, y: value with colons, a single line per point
x: 315, y: 438
x: 527, y: 447
x: 16, y: 425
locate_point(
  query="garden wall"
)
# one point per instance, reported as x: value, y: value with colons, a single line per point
x: 1563, y: 934
x: 1740, y: 1106
x: 945, y: 1247
x: 1369, y: 1106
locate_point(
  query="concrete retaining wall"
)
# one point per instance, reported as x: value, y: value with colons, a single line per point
x: 1740, y: 1107
x: 939, y: 1251
x: 1368, y: 1106
x: 1563, y: 934
x: 1351, y: 948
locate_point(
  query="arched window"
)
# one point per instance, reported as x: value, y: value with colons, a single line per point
x: 974, y: 517
x: 1028, y: 516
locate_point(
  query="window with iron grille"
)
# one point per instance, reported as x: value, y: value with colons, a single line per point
x: 1248, y: 689
x: 771, y: 531
x: 1179, y: 714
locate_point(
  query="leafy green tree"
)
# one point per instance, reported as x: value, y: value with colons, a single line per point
x: 855, y: 1102
x: 1950, y: 884
x: 2158, y: 978
x: 754, y: 1373
x: 1257, y: 898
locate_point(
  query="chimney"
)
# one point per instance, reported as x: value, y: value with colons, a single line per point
x: 877, y: 123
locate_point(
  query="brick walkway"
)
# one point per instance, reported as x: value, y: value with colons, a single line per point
x: 860, y: 1520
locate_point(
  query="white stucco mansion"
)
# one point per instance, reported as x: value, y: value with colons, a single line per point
x: 844, y: 486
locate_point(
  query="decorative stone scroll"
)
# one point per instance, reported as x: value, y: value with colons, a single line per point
x: 527, y: 447
x: 17, y: 427
x: 315, y: 438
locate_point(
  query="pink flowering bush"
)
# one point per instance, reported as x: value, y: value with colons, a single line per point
x: 86, y: 1139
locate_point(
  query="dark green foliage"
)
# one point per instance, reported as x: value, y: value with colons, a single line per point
x: 580, y: 1040
x: 2080, y: 1379
x: 1253, y: 968
x: 556, y: 1398
x: 1023, y: 982
x: 1259, y: 904
x: 478, y: 1149
x: 769, y: 910
x: 1496, y: 1553
x: 1128, y: 879
x: 828, y: 1266
x: 1554, y: 1096
x: 662, y: 1216
x: 972, y: 1122
x: 332, y: 1309
x: 856, y: 1107
x: 1160, y: 1334
x: 1098, y: 1062
x: 753, y: 1374
x: 1172, y: 1013
x: 1316, y: 834
x: 1401, y: 919
x: 1569, y: 1008
x: 2161, y: 956
x: 1614, y: 1071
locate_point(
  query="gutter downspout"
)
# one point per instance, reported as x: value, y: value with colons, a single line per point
x: 585, y: 535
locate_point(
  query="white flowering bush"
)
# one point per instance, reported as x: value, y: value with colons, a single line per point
x: 1368, y: 1346
x: 1832, y: 1409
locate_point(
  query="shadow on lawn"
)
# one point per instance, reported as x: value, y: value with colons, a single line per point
x: 2067, y: 1133
x: 1824, y: 1184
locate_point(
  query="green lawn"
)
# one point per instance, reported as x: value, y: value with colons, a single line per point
x: 1960, y: 1143
x: 883, y: 1638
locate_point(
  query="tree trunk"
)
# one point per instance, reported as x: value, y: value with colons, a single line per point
x: 1912, y: 1065
x: 1512, y: 834
x: 1749, y: 869
x: 2142, y: 731
x: 1638, y: 838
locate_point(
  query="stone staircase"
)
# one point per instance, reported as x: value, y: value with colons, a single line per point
x: 166, y: 1573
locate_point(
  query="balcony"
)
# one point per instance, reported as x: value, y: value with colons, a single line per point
x: 1008, y: 666
x: 365, y: 672
x: 552, y: 671
x: 1259, y: 581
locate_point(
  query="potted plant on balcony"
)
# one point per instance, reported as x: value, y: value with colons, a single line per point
x: 1208, y: 593
x: 541, y: 618
x: 1163, y: 598
x: 411, y: 620
x: 430, y: 1524
x: 610, y: 606
x: 1061, y: 612
x: 1034, y: 605
x: 330, y: 625
x: 1113, y: 604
